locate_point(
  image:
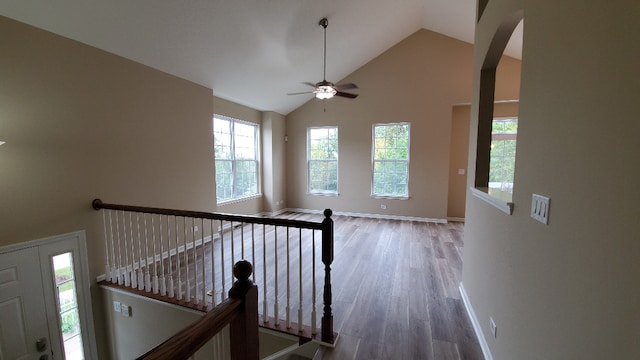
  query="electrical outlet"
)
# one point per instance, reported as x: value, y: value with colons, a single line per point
x: 493, y: 327
x: 383, y: 207
x: 126, y: 310
x: 195, y: 228
x: 116, y: 306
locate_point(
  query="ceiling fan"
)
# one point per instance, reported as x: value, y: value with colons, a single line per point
x: 326, y: 89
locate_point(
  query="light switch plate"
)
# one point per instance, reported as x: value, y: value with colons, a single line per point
x: 540, y: 208
x: 126, y: 310
x: 116, y: 306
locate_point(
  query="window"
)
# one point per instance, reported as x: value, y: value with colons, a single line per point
x: 503, y: 154
x: 322, y: 160
x: 390, y: 160
x: 236, y: 155
x: 67, y: 305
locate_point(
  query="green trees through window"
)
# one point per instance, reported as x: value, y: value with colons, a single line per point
x: 504, y: 134
x: 390, y: 160
x: 322, y: 160
x: 236, y: 158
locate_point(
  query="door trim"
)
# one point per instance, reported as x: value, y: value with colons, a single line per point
x: 76, y: 242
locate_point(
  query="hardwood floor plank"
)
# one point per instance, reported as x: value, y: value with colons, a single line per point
x: 394, y: 283
x: 444, y: 350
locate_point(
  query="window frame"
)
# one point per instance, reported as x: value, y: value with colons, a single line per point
x: 375, y: 195
x: 325, y: 192
x: 502, y: 136
x: 234, y: 161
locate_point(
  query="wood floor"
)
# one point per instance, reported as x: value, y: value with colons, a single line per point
x: 394, y: 284
x: 395, y: 291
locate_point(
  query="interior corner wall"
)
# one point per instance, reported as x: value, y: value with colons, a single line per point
x: 273, y: 162
x: 458, y: 161
x: 569, y: 289
x: 80, y: 123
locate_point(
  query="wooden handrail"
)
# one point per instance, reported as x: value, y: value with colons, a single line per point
x: 326, y: 227
x: 239, y: 311
x: 98, y: 204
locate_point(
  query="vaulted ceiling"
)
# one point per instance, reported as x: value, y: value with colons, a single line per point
x: 252, y: 52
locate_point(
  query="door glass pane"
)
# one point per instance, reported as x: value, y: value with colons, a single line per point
x: 68, y: 306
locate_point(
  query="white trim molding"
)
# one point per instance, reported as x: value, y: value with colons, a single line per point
x: 490, y: 197
x: 373, y: 216
x: 476, y: 325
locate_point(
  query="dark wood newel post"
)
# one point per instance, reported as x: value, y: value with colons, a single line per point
x: 327, y: 259
x: 243, y: 329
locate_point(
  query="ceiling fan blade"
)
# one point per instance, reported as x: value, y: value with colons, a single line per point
x: 300, y: 93
x: 310, y: 84
x: 346, y: 95
x: 347, y: 86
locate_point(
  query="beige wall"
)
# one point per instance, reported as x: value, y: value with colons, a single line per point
x: 273, y: 162
x: 418, y: 81
x: 459, y: 150
x: 567, y: 290
x: 149, y: 324
x: 80, y: 123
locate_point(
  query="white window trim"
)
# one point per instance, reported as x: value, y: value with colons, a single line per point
x: 408, y: 161
x: 258, y: 158
x: 337, y: 161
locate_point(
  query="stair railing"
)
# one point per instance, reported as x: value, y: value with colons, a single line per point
x: 239, y: 311
x: 186, y: 256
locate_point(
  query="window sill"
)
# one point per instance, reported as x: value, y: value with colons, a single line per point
x: 239, y: 200
x: 320, y: 193
x: 499, y: 199
x: 389, y: 197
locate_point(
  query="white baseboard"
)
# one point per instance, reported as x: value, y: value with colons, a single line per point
x: 476, y: 325
x: 373, y: 216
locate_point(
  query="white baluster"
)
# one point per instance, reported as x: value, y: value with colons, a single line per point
x: 213, y: 265
x: 113, y: 273
x: 186, y: 259
x: 107, y: 267
x: 265, y: 306
x: 134, y: 270
x: 288, y: 309
x: 300, y: 313
x: 204, y: 274
x: 179, y: 297
x: 253, y: 251
x: 147, y: 275
x: 154, y: 278
x: 119, y: 267
x: 242, y: 240
x: 140, y: 273
x: 163, y: 280
x: 276, y: 313
x: 233, y: 252
x: 127, y: 272
x: 172, y: 293
x: 314, y: 327
x: 223, y: 295
x: 195, y: 262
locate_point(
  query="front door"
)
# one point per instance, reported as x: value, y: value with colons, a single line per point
x: 24, y: 330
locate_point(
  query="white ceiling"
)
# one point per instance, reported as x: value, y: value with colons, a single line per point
x: 252, y: 52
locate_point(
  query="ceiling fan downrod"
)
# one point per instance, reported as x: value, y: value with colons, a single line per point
x: 324, y: 23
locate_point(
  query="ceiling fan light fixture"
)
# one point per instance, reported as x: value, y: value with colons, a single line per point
x: 324, y: 92
x: 324, y: 89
